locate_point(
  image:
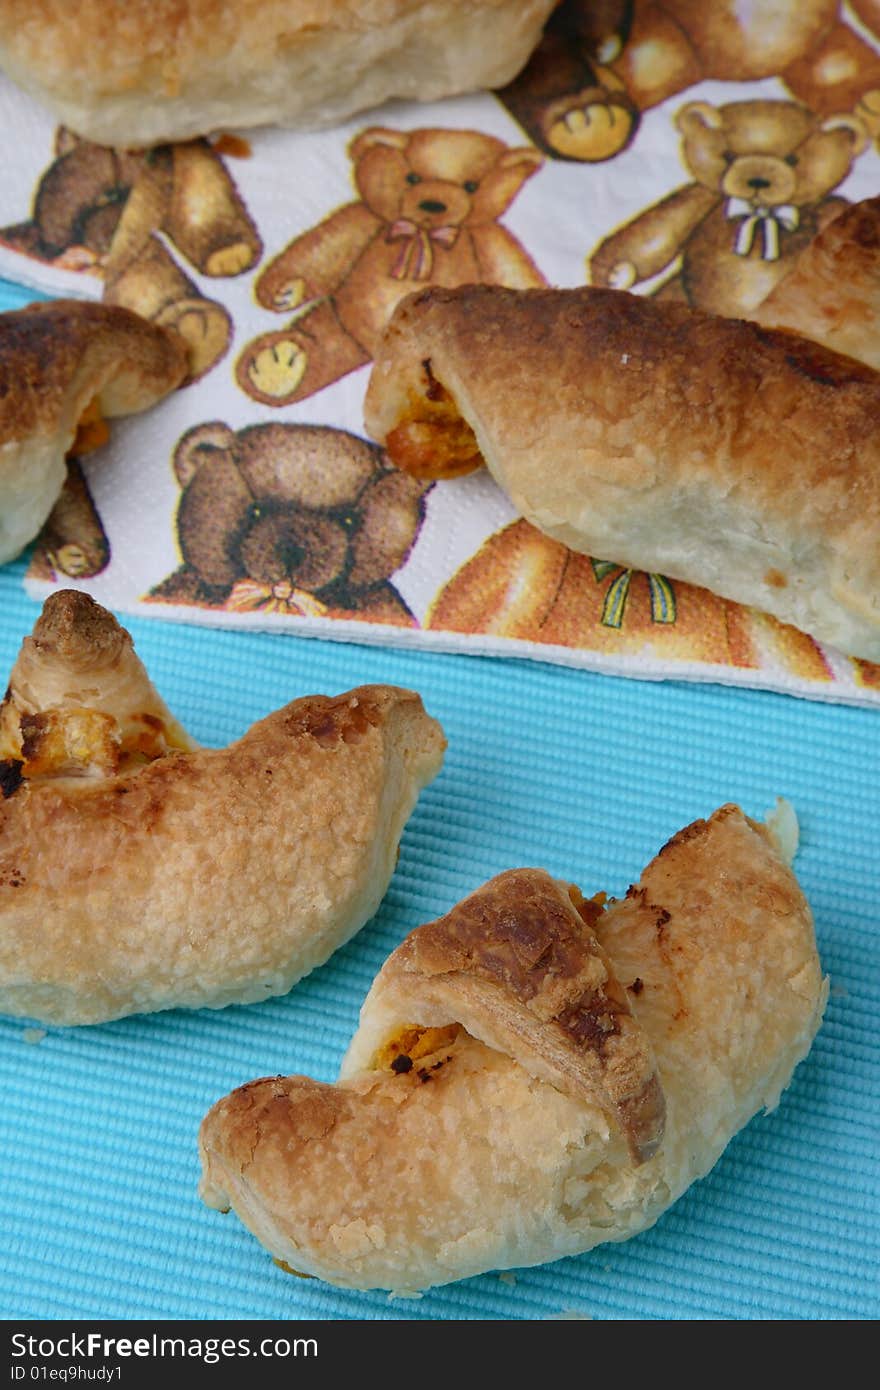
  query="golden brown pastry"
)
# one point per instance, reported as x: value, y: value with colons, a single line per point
x: 832, y: 292
x: 138, y: 872
x: 741, y: 459
x: 65, y: 363
x: 535, y: 1073
x: 143, y: 72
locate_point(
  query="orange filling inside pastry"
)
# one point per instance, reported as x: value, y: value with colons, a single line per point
x: 588, y: 909
x: 434, y: 441
x: 92, y: 430
x: 82, y: 741
x: 412, y: 1044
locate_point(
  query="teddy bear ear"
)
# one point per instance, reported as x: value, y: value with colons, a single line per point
x: 65, y: 140
x: 377, y: 135
x: 194, y: 446
x: 523, y: 154
x: 848, y: 120
x: 701, y: 112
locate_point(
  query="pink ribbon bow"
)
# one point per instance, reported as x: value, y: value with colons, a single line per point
x: 416, y: 259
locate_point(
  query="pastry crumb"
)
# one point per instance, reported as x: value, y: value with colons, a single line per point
x: 569, y: 1314
x: 33, y: 1035
x: 507, y: 1277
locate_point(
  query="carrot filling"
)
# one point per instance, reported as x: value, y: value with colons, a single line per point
x: 433, y: 441
x: 92, y: 430
x: 413, y: 1043
x: 588, y: 909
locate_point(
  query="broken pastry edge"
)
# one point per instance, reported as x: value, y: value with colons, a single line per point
x: 412, y: 408
x: 567, y: 1022
x: 249, y: 1179
x: 119, y: 722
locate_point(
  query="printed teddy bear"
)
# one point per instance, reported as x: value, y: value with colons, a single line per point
x: 102, y: 211
x: 762, y: 172
x: 522, y: 585
x: 72, y: 542
x: 601, y: 63
x: 298, y: 519
x: 427, y: 213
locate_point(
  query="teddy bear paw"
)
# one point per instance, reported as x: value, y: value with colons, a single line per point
x: 622, y: 276
x: 230, y: 260
x: 591, y: 130
x: 290, y: 296
x: 204, y: 326
x: 275, y: 371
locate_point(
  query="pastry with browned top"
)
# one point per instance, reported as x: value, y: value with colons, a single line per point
x: 832, y: 292
x: 140, y: 72
x: 535, y: 1073
x: 65, y: 366
x: 141, y: 872
x: 741, y: 459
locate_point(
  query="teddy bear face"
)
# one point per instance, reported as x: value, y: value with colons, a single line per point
x: 768, y: 152
x: 285, y: 544
x: 294, y: 509
x: 437, y: 178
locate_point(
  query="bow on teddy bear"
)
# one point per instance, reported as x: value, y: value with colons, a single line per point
x: 763, y: 174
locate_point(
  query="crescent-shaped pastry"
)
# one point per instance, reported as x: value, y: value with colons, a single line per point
x: 62, y: 364
x: 139, y: 872
x: 832, y: 292
x: 145, y: 72
x: 535, y: 1073
x: 741, y: 459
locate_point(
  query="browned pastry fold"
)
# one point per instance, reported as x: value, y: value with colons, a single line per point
x: 79, y: 701
x: 139, y: 872
x: 741, y: 459
x: 145, y: 71
x: 832, y: 292
x: 61, y: 361
x: 534, y: 1073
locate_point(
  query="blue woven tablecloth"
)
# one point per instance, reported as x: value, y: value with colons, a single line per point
x: 583, y: 774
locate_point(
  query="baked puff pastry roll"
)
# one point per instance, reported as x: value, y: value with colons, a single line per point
x: 141, y: 73
x: 741, y: 459
x: 832, y: 292
x: 65, y: 366
x: 140, y: 872
x: 535, y: 1073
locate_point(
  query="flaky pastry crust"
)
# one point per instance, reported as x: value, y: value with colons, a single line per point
x: 58, y: 360
x: 741, y: 459
x: 79, y: 700
x: 139, y: 72
x: 534, y: 1073
x: 172, y: 876
x: 832, y: 292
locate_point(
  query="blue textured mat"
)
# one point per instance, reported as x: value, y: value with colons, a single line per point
x: 583, y: 774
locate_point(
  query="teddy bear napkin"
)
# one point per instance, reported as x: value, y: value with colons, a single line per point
x: 253, y: 498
